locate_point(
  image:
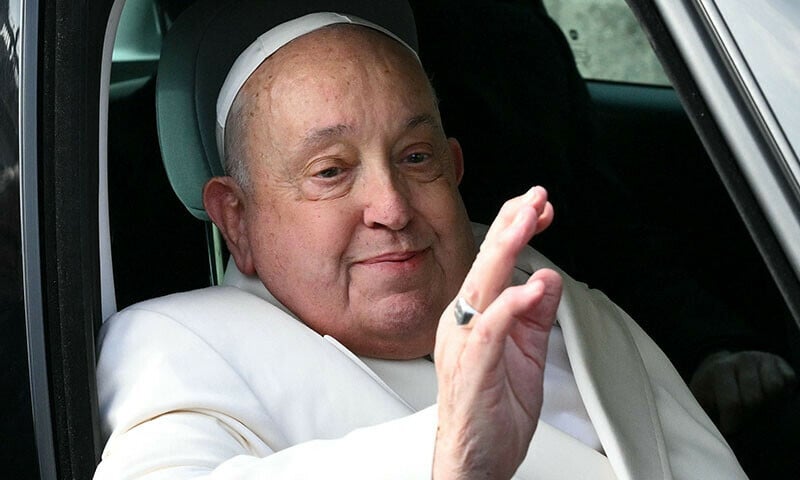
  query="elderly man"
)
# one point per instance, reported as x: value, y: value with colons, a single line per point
x: 350, y: 242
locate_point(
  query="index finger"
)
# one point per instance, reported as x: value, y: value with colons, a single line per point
x: 517, y: 222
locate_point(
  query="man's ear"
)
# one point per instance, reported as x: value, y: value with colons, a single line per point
x: 223, y: 199
x: 458, y: 158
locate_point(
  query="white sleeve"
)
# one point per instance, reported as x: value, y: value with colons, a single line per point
x: 182, y: 445
x: 231, y: 398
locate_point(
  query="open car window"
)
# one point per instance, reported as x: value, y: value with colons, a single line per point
x: 570, y: 96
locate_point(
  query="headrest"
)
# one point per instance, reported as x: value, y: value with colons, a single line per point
x: 198, y: 53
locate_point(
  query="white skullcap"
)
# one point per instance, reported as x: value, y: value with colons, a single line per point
x: 267, y: 44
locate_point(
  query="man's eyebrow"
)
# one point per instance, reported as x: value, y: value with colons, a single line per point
x: 321, y: 135
x: 422, y: 119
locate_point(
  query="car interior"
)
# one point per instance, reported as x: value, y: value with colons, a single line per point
x: 641, y: 212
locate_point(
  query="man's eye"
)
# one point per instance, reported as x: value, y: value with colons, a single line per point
x: 417, y: 157
x: 329, y: 172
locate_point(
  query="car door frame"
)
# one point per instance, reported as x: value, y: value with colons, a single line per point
x: 60, y: 111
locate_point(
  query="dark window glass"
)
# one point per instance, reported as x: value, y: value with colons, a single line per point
x: 18, y: 455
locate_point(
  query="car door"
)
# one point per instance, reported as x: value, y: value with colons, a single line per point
x: 57, y: 54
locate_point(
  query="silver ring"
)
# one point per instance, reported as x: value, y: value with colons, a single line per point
x: 463, y: 312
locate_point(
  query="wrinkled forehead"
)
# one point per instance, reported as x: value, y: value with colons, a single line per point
x: 299, y: 30
x: 341, y: 81
x: 340, y: 52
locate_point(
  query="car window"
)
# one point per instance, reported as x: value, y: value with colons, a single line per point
x: 607, y: 41
x: 641, y: 212
x: 648, y: 164
x: 672, y: 250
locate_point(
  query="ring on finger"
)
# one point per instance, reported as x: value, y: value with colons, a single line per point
x: 463, y: 312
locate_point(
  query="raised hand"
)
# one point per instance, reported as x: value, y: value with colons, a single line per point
x: 490, y: 372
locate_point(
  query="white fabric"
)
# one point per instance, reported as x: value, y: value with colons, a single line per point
x: 268, y: 43
x: 219, y: 383
x: 415, y: 380
x: 562, y: 406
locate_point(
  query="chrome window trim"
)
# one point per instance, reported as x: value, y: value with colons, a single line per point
x: 31, y: 261
x: 683, y: 19
x: 753, y: 91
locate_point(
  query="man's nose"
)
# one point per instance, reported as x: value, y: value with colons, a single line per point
x: 386, y: 201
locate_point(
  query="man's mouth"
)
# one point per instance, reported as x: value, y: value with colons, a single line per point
x: 398, y: 262
x: 392, y: 257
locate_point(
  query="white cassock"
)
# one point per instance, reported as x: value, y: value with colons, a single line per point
x: 224, y: 383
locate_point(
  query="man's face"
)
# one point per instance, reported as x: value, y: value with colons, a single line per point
x: 353, y: 219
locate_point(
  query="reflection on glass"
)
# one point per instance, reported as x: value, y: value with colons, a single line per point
x: 10, y: 254
x: 769, y: 39
x: 607, y: 42
x: 18, y: 455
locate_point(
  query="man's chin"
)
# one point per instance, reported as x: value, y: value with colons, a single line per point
x: 396, y: 347
x: 404, y: 329
x: 406, y: 308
